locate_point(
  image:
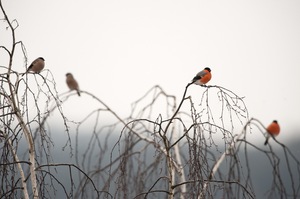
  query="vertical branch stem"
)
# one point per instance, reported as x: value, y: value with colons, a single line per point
x: 168, y: 149
x: 16, y: 158
x: 16, y: 110
x: 179, y: 106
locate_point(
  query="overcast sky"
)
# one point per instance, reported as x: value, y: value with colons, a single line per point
x: 120, y: 49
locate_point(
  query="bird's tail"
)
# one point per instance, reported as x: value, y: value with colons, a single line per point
x: 24, y: 73
x: 28, y: 69
x: 267, y: 138
x: 195, y: 79
x: 266, y: 142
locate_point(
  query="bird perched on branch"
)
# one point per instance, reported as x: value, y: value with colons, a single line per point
x: 272, y: 130
x: 202, y: 77
x: 72, y: 83
x: 36, y: 66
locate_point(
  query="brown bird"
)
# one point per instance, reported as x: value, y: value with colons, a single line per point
x: 36, y: 66
x: 72, y: 83
x: 202, y: 77
x: 273, y: 130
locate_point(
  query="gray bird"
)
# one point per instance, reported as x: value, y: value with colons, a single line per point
x: 72, y: 83
x: 36, y: 66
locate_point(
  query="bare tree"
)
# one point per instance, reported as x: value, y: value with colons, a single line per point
x: 199, y: 148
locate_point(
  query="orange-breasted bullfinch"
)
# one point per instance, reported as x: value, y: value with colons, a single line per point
x: 272, y: 130
x: 36, y: 66
x: 72, y: 83
x: 202, y: 77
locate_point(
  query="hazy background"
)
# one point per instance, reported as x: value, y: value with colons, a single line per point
x: 120, y: 49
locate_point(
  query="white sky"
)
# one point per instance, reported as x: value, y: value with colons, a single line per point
x: 120, y: 49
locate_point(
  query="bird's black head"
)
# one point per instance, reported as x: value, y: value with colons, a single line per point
x: 42, y: 58
x: 275, y: 121
x: 207, y: 69
x: 68, y: 74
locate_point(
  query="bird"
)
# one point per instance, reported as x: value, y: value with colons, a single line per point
x: 72, y: 83
x: 272, y: 130
x: 202, y: 77
x: 36, y: 66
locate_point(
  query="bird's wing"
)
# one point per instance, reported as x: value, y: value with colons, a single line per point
x: 199, y: 75
x: 33, y: 63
